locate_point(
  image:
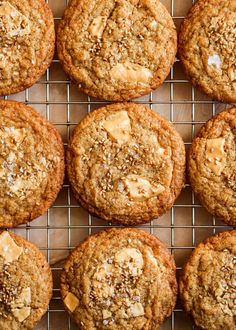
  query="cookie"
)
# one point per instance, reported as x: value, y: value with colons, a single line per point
x: 208, y: 283
x: 119, y: 279
x: 207, y: 48
x: 126, y: 163
x: 211, y: 166
x: 31, y: 164
x: 25, y: 283
x: 124, y: 48
x: 27, y: 37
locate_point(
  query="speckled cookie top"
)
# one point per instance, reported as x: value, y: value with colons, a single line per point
x: 25, y: 283
x: 31, y: 164
x: 119, y: 279
x: 27, y: 39
x: 208, y: 283
x: 212, y: 166
x: 126, y: 163
x: 207, y: 47
x: 124, y: 48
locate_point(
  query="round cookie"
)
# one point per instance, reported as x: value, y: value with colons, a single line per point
x: 31, y: 164
x: 27, y: 36
x: 25, y: 283
x: 208, y: 283
x: 211, y: 166
x: 207, y: 48
x: 119, y: 279
x: 126, y: 163
x: 124, y: 49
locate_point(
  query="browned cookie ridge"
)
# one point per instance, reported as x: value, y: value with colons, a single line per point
x: 27, y: 37
x: 207, y: 48
x: 208, y: 283
x: 117, y: 49
x: 25, y: 283
x: 126, y: 163
x: 31, y: 164
x: 119, y: 279
x: 211, y: 166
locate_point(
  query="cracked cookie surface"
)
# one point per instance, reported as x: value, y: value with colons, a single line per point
x: 25, y: 283
x: 31, y: 164
x: 124, y: 48
x: 27, y: 37
x: 119, y: 279
x: 208, y: 283
x: 207, y: 48
x: 212, y: 166
x: 126, y: 163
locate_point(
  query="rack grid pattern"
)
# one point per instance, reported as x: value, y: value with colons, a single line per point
x: 66, y: 224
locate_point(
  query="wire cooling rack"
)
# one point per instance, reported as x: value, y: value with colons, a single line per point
x: 66, y: 224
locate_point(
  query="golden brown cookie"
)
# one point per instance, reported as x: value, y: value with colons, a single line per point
x: 212, y: 167
x: 31, y: 164
x: 117, y: 49
x: 207, y: 48
x: 25, y: 283
x: 126, y: 163
x: 27, y: 37
x: 119, y: 279
x: 208, y: 283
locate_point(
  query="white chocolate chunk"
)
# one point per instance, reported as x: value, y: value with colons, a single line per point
x: 152, y: 140
x: 136, y: 310
x: 9, y: 250
x: 71, y: 301
x: 215, y: 155
x: 25, y: 296
x: 6, y: 8
x: 215, y: 60
x: 130, y: 258
x: 106, y: 314
x: 24, y: 299
x: 151, y: 259
x: 97, y: 26
x: 232, y: 74
x: 16, y: 23
x: 140, y: 188
x: 131, y: 73
x: 20, y: 307
x: 118, y: 126
x: 21, y: 313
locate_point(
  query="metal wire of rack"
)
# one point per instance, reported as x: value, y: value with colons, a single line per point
x: 66, y: 224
